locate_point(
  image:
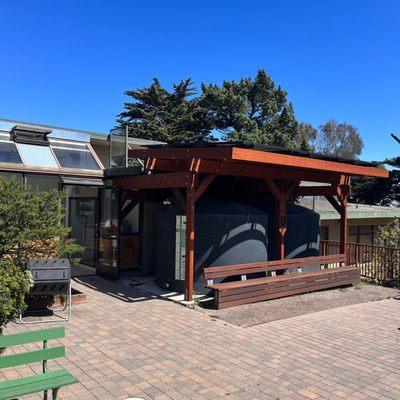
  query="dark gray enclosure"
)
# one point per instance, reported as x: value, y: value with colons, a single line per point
x: 229, y: 233
x: 302, y: 235
x: 226, y: 233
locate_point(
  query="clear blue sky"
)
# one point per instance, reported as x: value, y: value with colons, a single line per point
x: 68, y: 63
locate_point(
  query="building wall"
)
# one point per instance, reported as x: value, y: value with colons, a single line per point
x: 102, y: 150
x: 360, y: 230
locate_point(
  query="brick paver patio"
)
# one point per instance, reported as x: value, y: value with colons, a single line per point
x: 123, y: 343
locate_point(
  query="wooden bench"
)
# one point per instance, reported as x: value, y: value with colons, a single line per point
x: 250, y: 288
x: 36, y: 383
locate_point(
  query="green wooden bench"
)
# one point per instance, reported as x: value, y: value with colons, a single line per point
x: 37, y: 383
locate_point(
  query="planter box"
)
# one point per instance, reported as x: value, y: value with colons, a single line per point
x: 40, y: 304
x: 77, y: 298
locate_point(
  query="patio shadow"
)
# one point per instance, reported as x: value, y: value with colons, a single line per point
x: 127, y: 294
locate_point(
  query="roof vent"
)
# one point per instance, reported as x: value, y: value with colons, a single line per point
x: 30, y: 135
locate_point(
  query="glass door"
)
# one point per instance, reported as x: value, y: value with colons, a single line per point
x: 108, y: 233
x: 82, y: 221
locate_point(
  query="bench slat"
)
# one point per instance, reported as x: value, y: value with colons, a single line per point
x: 36, y: 383
x: 29, y: 357
x: 289, y: 292
x: 244, y: 269
x: 284, y: 286
x: 32, y: 336
x: 280, y: 278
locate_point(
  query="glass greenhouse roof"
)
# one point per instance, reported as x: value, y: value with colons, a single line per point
x: 58, y: 154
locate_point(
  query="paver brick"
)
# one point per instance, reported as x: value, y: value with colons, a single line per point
x: 126, y: 343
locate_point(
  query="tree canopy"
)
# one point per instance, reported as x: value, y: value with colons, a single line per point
x: 382, y: 192
x: 256, y: 111
x: 174, y: 116
x: 253, y: 110
x: 338, y: 140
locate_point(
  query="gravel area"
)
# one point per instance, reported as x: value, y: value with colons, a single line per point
x: 272, y: 310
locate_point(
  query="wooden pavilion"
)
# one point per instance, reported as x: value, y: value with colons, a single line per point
x: 189, y: 170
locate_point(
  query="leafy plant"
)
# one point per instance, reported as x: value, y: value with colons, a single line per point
x: 389, y: 235
x: 31, y: 225
x: 389, y: 260
x: 14, y: 284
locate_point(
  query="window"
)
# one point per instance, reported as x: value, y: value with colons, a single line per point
x: 366, y: 234
x: 37, y: 156
x: 9, y: 152
x: 363, y: 234
x: 353, y: 234
x: 324, y: 233
x: 41, y: 182
x: 70, y: 157
x: 12, y: 175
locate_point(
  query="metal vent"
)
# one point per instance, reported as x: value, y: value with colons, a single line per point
x: 30, y: 135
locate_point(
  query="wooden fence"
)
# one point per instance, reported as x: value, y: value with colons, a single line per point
x: 379, y: 263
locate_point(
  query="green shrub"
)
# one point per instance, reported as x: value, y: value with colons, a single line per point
x: 388, y: 260
x: 30, y: 227
x: 14, y: 284
x: 389, y: 235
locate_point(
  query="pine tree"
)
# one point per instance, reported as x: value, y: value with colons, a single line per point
x: 168, y: 116
x: 255, y: 111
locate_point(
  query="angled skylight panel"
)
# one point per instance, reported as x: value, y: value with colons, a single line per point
x: 8, y: 150
x: 37, y: 156
x: 74, y: 155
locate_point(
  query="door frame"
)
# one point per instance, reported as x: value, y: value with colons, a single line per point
x: 114, y: 276
x: 96, y: 215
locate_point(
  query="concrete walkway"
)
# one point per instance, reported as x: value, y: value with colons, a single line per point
x: 124, y: 343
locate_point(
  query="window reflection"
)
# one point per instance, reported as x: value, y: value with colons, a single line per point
x: 37, y: 156
x: 9, y: 153
x: 69, y: 158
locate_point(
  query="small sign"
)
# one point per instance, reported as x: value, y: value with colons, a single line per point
x: 180, y: 247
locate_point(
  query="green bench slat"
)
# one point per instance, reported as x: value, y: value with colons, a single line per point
x: 13, y: 360
x: 36, y: 383
x: 32, y: 336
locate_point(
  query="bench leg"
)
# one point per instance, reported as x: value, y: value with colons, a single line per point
x: 45, y: 395
x: 54, y: 394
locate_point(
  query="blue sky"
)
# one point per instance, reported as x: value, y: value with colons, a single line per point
x: 68, y: 63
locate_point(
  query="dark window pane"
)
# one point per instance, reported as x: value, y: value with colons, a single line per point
x: 42, y: 183
x: 9, y: 153
x: 12, y: 175
x: 324, y: 233
x: 366, y: 229
x: 352, y: 230
x: 69, y: 158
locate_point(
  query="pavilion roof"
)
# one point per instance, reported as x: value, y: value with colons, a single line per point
x: 257, y: 159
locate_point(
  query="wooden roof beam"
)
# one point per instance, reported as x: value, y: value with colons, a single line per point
x: 248, y: 170
x: 167, y: 180
x: 290, y: 161
x: 247, y: 155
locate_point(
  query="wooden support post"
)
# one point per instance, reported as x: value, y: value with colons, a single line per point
x: 340, y: 205
x: 344, y: 229
x: 281, y: 195
x: 282, y: 225
x: 189, y: 255
x: 193, y: 193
